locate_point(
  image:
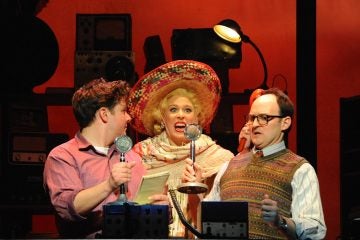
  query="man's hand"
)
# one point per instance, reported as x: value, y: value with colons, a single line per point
x: 269, y: 211
x: 120, y: 173
x: 244, y: 138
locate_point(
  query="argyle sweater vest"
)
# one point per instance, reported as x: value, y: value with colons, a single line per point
x: 250, y: 179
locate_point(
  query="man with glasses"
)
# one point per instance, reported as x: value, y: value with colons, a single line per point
x: 280, y: 186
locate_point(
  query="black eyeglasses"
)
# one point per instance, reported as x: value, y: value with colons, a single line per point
x: 262, y: 119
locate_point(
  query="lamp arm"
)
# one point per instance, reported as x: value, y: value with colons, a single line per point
x: 248, y: 40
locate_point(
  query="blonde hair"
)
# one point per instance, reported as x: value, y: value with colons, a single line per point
x: 164, y: 103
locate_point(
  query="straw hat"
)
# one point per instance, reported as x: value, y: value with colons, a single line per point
x: 150, y: 89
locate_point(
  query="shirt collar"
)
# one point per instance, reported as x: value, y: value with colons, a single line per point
x: 272, y: 148
x: 84, y: 145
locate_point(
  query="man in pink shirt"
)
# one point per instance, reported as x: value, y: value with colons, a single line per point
x: 85, y: 173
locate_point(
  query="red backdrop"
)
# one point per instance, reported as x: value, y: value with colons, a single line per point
x: 271, y: 24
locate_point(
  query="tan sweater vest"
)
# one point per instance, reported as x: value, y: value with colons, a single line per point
x: 250, y: 180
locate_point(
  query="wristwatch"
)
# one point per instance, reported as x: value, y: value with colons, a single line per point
x: 283, y: 224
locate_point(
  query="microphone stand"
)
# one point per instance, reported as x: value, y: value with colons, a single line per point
x: 122, y: 196
x: 192, y: 132
x: 123, y: 145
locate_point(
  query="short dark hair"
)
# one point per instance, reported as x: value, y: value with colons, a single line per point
x: 96, y: 94
x: 285, y: 104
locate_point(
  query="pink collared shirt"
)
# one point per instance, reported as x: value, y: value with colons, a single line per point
x: 76, y: 165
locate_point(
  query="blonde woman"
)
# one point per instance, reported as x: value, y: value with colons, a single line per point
x: 162, y: 104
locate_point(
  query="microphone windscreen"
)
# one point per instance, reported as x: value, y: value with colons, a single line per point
x: 192, y: 131
x: 123, y: 143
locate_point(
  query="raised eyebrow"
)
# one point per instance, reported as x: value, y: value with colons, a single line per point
x: 188, y: 106
x: 173, y: 106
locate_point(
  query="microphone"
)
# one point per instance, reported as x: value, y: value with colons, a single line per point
x: 123, y: 144
x: 192, y: 132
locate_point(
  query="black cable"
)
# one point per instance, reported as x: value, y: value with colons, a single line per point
x: 181, y: 215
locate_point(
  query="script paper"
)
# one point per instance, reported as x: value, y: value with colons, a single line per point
x: 150, y: 185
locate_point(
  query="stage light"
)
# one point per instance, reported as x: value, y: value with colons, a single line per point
x: 230, y: 31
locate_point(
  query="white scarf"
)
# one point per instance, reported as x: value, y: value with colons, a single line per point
x: 158, y: 155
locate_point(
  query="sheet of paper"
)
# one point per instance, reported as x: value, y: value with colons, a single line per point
x: 150, y: 185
